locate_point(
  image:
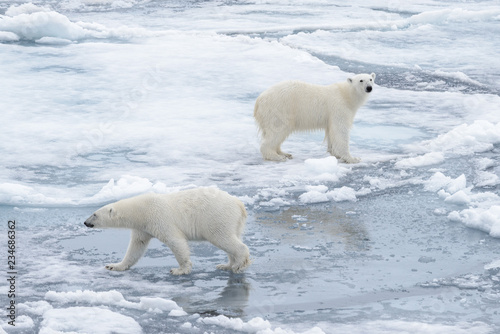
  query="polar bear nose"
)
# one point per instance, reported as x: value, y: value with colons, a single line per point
x: 89, y: 224
x: 368, y: 89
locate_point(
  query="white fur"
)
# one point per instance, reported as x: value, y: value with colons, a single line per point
x: 197, y: 214
x: 298, y: 106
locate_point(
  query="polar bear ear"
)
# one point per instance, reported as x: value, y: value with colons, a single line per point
x: 373, y: 75
x: 349, y: 80
x: 112, y: 212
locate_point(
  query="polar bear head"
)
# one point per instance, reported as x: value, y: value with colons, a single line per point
x: 363, y: 83
x: 104, y: 217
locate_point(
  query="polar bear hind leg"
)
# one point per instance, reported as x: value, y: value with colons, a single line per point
x: 271, y: 146
x: 287, y: 155
x: 238, y: 254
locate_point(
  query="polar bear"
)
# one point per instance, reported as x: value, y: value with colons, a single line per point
x: 197, y: 214
x: 298, y: 106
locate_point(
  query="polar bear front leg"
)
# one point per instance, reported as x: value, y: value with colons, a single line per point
x: 338, y: 145
x: 138, y: 244
x: 180, y: 248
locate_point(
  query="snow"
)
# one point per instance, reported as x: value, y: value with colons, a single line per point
x: 459, y: 197
x: 87, y: 320
x: 35, y: 23
x: 336, y: 195
x: 465, y: 139
x: 252, y: 326
x: 109, y: 99
x: 6, y: 36
x: 440, y: 181
x: 314, y: 196
x: 113, y: 297
x: 482, y: 213
x: 26, y: 8
x: 427, y: 159
x: 326, y: 165
x: 42, y: 24
x: 177, y: 313
x: 487, y: 220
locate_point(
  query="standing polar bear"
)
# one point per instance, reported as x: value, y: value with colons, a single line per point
x: 197, y: 214
x: 298, y: 106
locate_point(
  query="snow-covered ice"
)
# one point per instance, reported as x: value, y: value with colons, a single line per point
x: 106, y: 99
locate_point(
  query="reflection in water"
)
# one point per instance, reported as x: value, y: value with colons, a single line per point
x: 231, y: 301
x: 234, y: 297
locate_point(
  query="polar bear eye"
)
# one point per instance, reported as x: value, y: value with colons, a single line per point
x: 360, y: 80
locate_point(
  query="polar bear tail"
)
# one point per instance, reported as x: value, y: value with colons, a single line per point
x: 256, y: 108
x: 257, y: 116
x: 242, y: 221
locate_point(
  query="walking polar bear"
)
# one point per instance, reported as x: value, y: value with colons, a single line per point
x: 298, y: 106
x: 197, y: 214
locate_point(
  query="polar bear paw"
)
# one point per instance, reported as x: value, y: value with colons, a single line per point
x: 273, y: 155
x: 116, y: 267
x: 350, y: 160
x: 236, y: 267
x: 226, y: 266
x: 240, y: 267
x: 276, y: 157
x: 180, y: 271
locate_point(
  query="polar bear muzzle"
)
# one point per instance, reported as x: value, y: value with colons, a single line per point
x: 89, y: 220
